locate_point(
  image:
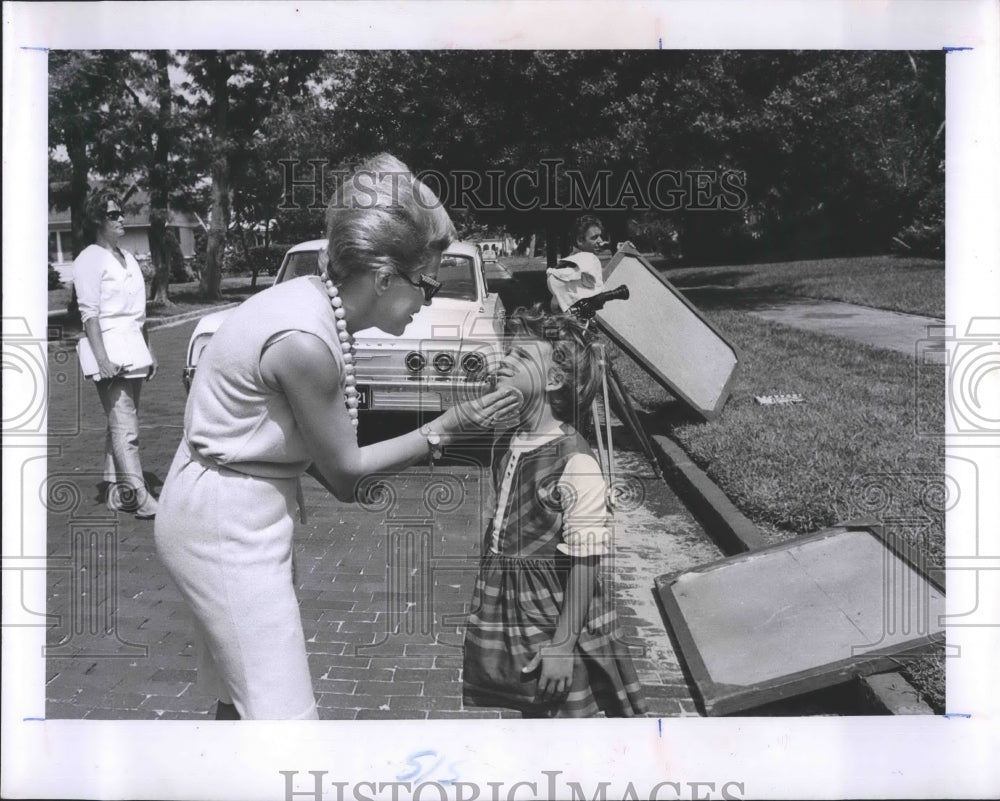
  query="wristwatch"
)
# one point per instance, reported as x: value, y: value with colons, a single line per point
x: 433, y: 441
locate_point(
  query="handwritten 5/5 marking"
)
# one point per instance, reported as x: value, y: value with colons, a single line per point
x: 423, y: 764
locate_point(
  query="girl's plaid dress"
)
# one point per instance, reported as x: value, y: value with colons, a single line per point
x: 519, y: 597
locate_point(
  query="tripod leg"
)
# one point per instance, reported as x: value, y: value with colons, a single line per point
x: 626, y: 411
x: 609, y: 473
x: 611, y: 450
x: 601, y: 455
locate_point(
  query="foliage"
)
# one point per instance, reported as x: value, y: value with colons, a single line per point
x: 924, y: 236
x: 257, y: 259
x: 839, y: 148
x: 82, y: 85
x: 177, y: 264
x: 841, y: 151
x: 55, y: 282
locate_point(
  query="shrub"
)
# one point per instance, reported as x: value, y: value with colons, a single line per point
x: 924, y: 236
x: 266, y: 258
x: 55, y: 282
x: 179, y: 272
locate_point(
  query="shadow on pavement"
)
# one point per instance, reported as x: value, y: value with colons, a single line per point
x: 727, y: 298
x: 722, y: 279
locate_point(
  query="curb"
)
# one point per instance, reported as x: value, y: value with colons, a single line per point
x: 891, y: 694
x: 153, y: 324
x: 734, y: 532
x: 160, y: 322
x: 728, y: 527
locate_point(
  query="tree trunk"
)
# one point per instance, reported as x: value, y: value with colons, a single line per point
x: 159, y: 186
x: 551, y: 245
x: 211, y: 278
x: 78, y: 188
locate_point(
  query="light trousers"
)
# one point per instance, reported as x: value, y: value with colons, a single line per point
x: 122, y: 467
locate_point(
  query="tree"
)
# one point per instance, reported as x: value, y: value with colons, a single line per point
x: 236, y: 92
x: 82, y: 83
x: 210, y: 73
x: 159, y: 181
x: 281, y: 120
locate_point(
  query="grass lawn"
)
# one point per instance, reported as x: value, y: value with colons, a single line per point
x: 897, y: 283
x: 800, y: 467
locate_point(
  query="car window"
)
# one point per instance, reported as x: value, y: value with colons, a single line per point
x: 459, y: 279
x: 305, y: 262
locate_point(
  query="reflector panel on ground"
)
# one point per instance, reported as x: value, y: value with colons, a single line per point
x: 806, y: 614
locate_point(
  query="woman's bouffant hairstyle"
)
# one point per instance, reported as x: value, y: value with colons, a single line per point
x: 381, y: 215
x: 94, y: 210
x: 574, y: 352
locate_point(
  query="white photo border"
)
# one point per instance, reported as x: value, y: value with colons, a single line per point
x: 941, y: 756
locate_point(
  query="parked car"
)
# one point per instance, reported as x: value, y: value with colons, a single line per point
x: 491, y: 249
x: 444, y: 355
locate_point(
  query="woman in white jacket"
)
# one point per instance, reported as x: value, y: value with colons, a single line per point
x: 112, y: 297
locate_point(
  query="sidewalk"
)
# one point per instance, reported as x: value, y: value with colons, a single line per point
x: 875, y: 327
x: 878, y: 328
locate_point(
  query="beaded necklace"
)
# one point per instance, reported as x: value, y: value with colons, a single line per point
x: 347, y: 346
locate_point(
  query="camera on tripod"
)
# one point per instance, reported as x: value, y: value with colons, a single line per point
x: 586, y: 308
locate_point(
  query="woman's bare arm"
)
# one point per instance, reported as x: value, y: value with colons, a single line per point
x: 302, y: 365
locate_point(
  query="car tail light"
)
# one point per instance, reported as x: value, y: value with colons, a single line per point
x: 415, y: 362
x: 444, y: 362
x: 473, y: 363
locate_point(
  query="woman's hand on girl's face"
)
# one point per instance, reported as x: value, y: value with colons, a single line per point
x: 497, y: 409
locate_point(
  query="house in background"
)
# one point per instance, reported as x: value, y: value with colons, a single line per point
x: 492, y: 248
x: 136, y: 239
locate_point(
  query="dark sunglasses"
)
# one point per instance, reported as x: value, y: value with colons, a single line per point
x: 113, y: 215
x: 430, y: 286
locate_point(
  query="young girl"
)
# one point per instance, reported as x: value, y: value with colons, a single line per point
x: 541, y: 634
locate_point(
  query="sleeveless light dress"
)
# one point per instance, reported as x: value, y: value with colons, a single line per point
x: 225, y: 520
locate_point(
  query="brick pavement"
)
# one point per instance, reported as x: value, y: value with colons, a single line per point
x: 383, y: 588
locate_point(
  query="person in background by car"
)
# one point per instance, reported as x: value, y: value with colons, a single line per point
x: 579, y: 274
x: 112, y: 297
x: 275, y: 396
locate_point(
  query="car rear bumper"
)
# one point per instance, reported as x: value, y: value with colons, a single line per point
x: 420, y: 396
x: 402, y: 396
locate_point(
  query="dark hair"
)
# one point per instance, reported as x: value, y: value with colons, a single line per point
x: 94, y: 211
x: 574, y: 352
x: 582, y: 224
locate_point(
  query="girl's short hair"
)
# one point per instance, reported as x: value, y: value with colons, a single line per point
x: 94, y: 210
x: 574, y: 351
x: 381, y: 215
